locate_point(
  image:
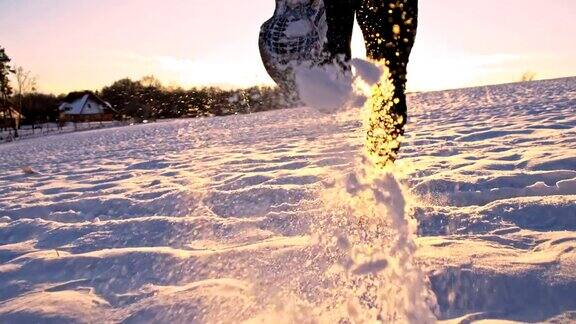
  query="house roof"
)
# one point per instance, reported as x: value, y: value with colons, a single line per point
x: 75, y: 106
x: 76, y: 101
x: 74, y: 96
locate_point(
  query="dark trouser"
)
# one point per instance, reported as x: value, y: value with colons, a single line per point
x: 389, y: 29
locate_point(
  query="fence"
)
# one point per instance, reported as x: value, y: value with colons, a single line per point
x: 39, y: 130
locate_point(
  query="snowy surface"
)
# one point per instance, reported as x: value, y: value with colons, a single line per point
x: 274, y: 217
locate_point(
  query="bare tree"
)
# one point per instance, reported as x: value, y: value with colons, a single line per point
x: 150, y: 81
x: 528, y: 76
x: 25, y: 83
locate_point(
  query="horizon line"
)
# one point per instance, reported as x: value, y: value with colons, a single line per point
x: 230, y: 87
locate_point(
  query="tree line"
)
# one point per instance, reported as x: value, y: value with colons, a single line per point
x: 148, y: 99
x: 144, y: 99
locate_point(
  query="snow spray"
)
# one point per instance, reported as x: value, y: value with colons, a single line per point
x: 360, y: 264
x: 370, y: 226
x: 330, y: 88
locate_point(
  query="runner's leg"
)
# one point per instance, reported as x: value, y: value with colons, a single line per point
x: 340, y: 20
x: 389, y: 29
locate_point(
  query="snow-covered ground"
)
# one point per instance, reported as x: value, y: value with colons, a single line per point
x: 46, y: 129
x: 274, y: 217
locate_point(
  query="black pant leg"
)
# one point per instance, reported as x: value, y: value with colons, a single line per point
x: 340, y: 21
x: 389, y: 29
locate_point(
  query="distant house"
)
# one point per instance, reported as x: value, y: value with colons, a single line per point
x: 85, y: 107
x: 9, y: 115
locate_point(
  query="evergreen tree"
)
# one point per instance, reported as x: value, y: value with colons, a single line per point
x: 6, y: 89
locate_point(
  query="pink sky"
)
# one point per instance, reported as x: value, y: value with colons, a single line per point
x: 86, y: 44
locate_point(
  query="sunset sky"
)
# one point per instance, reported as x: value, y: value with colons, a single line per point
x: 86, y: 44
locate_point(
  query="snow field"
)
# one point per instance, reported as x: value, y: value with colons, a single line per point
x: 275, y: 216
